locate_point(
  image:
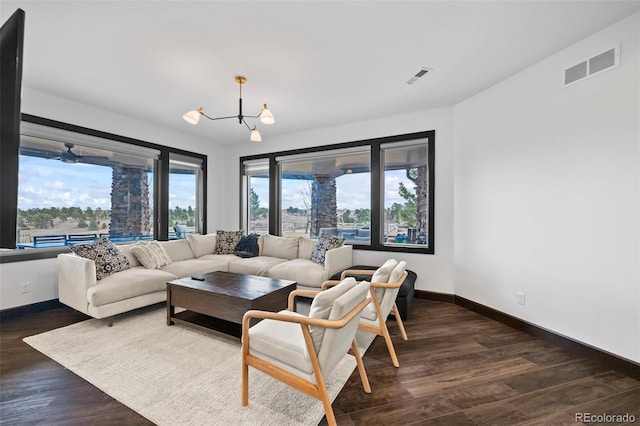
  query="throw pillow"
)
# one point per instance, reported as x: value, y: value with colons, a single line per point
x: 322, y: 304
x: 248, y: 246
x: 202, y: 244
x: 226, y: 241
x: 152, y: 255
x: 325, y: 243
x: 105, y: 254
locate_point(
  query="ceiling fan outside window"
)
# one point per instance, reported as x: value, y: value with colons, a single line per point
x: 69, y: 156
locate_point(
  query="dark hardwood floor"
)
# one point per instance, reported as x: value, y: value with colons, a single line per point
x: 458, y: 368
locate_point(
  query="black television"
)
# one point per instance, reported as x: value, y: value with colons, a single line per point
x: 11, y: 49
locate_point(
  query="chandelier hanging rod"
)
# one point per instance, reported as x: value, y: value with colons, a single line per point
x: 265, y: 115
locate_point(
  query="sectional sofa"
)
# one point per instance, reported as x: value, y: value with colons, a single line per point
x: 136, y: 285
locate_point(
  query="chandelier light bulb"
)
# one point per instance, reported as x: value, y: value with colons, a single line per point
x: 255, y: 135
x: 266, y: 116
x: 192, y: 117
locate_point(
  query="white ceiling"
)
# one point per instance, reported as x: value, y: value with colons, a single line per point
x: 316, y: 64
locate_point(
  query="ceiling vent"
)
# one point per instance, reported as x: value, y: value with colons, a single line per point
x: 591, y: 67
x: 423, y: 71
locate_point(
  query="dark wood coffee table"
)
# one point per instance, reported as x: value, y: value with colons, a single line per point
x: 218, y: 303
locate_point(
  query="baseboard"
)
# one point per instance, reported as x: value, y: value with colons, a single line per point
x: 27, y: 309
x: 432, y: 295
x: 615, y: 362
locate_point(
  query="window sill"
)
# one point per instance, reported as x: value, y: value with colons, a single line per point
x: 15, y: 255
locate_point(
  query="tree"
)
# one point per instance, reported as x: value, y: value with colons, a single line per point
x: 346, y: 216
x: 408, y: 213
x: 254, y: 206
x: 363, y: 215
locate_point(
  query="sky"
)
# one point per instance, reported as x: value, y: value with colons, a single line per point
x: 51, y: 183
x: 47, y: 183
x: 353, y: 190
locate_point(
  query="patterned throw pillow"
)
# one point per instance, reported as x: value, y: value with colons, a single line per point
x: 105, y: 254
x: 226, y: 241
x: 325, y: 243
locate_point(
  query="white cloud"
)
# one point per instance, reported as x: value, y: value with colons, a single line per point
x: 57, y: 185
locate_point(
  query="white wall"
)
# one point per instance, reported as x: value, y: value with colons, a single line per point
x: 547, y: 196
x: 435, y: 272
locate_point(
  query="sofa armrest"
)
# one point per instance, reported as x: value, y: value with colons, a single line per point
x: 75, y: 275
x: 338, y: 259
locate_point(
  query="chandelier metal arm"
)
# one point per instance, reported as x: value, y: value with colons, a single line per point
x: 218, y: 118
x: 264, y: 115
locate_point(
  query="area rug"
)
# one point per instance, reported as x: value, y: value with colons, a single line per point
x: 180, y: 376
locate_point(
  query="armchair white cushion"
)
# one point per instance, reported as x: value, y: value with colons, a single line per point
x: 282, y: 346
x: 383, y: 301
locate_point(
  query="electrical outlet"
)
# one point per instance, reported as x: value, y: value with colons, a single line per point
x: 520, y: 298
x: 25, y: 287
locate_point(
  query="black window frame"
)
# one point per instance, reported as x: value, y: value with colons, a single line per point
x: 9, y: 179
x: 377, y: 200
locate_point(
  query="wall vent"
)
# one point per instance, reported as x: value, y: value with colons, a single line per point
x: 591, y: 67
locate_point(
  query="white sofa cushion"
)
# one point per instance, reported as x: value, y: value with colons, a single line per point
x: 221, y: 261
x: 282, y: 247
x: 133, y: 282
x: 305, y: 248
x: 178, y: 249
x: 259, y: 265
x: 202, y: 244
x: 304, y: 272
x: 186, y: 268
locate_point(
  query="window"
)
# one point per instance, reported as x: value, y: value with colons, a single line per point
x: 73, y: 188
x: 405, y: 192
x: 377, y: 194
x: 185, y: 198
x: 75, y: 185
x: 326, y: 192
x: 256, y: 196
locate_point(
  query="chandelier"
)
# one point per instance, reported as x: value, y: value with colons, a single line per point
x: 265, y: 115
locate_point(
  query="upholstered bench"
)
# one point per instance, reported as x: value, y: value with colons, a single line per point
x: 405, y: 295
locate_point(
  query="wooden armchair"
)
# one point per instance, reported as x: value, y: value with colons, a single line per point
x: 385, y: 285
x: 301, y: 350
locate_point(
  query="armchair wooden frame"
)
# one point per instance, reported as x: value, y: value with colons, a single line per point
x: 317, y: 390
x: 381, y: 328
